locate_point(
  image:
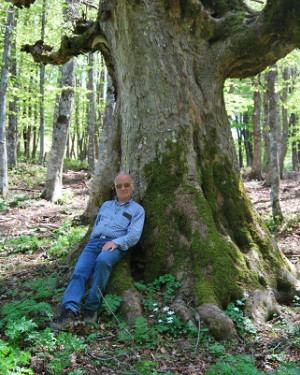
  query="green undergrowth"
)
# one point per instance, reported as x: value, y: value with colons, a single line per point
x: 56, y: 245
x: 150, y: 343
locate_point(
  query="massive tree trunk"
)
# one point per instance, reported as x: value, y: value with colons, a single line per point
x: 168, y: 62
x: 172, y: 133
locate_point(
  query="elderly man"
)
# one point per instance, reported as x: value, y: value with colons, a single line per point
x: 118, y: 227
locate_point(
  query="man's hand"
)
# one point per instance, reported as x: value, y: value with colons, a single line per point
x: 109, y: 246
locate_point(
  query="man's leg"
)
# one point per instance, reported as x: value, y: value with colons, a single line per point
x: 104, y: 264
x: 82, y: 272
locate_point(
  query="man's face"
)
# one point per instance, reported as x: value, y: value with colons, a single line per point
x: 124, y: 188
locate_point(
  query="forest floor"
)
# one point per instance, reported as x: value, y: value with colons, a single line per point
x: 25, y: 214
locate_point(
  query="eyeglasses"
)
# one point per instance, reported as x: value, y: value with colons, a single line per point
x: 126, y: 185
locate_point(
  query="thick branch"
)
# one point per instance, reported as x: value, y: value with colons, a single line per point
x: 257, y: 42
x: 93, y: 39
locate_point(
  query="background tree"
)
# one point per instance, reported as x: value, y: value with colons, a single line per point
x: 274, y: 123
x: 3, y: 95
x: 91, y: 119
x: 256, y: 170
x: 168, y: 62
x: 53, y: 185
x: 12, y: 128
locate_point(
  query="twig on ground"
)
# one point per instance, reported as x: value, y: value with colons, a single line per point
x: 199, y: 325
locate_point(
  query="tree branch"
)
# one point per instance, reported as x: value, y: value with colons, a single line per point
x: 259, y: 41
x: 91, y: 40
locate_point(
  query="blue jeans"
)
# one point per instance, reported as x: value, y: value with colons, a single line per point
x: 95, y: 263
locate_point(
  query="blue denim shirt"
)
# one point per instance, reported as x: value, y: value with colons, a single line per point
x: 121, y: 222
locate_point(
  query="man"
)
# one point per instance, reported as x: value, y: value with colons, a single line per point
x: 118, y: 227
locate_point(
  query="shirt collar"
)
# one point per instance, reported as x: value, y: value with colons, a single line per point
x: 122, y: 204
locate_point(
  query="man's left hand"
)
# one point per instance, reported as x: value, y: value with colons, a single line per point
x: 109, y: 246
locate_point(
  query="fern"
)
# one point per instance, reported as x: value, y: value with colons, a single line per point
x: 16, y: 310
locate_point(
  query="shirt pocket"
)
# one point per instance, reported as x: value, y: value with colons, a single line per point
x: 123, y: 222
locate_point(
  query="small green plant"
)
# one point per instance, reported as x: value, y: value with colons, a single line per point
x: 16, y: 310
x: 234, y: 365
x: 61, y: 352
x: 17, y: 331
x: 165, y: 283
x: 144, y: 335
x: 75, y: 164
x: 23, y: 244
x: 42, y: 288
x: 157, y: 295
x: 30, y: 175
x: 111, y: 304
x: 13, y: 360
x: 235, y: 311
x: 274, y: 223
x: 217, y: 349
x: 4, y: 206
x: 296, y: 301
x: 65, y: 238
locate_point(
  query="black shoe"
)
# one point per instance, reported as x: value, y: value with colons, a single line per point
x: 90, y: 316
x: 66, y: 318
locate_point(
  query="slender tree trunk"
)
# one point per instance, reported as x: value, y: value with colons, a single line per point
x: 53, y: 186
x: 266, y: 138
x: 3, y: 96
x: 295, y: 144
x: 240, y: 144
x: 42, y: 92
x: 274, y: 123
x: 91, y: 114
x: 285, y: 121
x: 257, y: 147
x: 35, y: 134
x: 12, y: 129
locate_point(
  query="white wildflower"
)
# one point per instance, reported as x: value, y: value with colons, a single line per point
x: 236, y: 309
x: 156, y: 309
x: 165, y: 309
x: 170, y: 319
x: 159, y: 321
x: 170, y: 312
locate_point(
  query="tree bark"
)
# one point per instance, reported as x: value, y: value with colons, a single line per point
x: 256, y: 172
x: 285, y: 121
x: 42, y: 92
x: 295, y: 144
x: 3, y: 96
x: 274, y: 123
x: 266, y: 138
x: 53, y: 186
x: 91, y: 114
x: 12, y: 129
